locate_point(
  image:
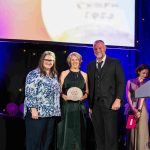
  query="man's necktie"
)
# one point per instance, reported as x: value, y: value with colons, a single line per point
x: 99, y: 66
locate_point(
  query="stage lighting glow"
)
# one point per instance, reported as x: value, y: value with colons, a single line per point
x: 12, y: 109
x: 84, y: 21
x: 69, y: 21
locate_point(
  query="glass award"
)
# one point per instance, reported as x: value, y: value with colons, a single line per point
x: 74, y: 93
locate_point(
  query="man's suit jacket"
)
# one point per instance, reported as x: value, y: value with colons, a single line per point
x: 112, y: 81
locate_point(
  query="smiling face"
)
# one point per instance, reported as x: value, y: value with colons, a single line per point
x: 143, y: 73
x: 74, y: 62
x: 48, y: 62
x: 99, y: 50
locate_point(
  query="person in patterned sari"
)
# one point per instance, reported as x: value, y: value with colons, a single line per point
x: 42, y: 104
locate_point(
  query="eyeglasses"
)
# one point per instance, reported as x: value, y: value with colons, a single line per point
x: 49, y: 60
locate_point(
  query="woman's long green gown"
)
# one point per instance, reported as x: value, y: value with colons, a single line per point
x: 71, y: 132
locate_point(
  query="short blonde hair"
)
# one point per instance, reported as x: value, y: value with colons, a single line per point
x: 76, y: 55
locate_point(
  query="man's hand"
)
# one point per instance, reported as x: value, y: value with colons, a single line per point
x: 116, y: 105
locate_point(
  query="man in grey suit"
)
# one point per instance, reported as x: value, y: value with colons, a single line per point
x: 106, y: 88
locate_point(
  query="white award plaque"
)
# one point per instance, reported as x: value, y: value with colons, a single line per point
x: 74, y: 93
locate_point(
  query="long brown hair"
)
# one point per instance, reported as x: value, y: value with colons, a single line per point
x: 53, y: 70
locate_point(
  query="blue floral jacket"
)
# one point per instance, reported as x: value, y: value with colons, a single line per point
x: 42, y: 92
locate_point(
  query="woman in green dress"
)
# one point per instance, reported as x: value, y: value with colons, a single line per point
x: 71, y: 133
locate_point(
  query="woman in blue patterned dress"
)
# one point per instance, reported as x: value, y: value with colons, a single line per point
x: 42, y: 93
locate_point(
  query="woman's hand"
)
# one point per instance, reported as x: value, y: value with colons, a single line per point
x: 137, y: 113
x: 34, y: 113
x: 65, y: 97
x: 90, y: 113
x: 84, y: 97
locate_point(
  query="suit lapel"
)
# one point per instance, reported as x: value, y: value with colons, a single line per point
x: 93, y: 69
